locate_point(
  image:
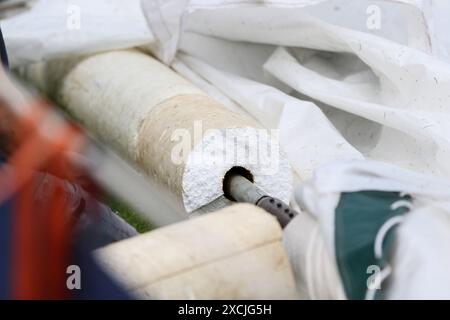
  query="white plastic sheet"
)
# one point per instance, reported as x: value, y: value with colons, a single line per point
x: 60, y: 28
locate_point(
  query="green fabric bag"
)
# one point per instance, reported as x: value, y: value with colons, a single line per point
x: 358, y: 219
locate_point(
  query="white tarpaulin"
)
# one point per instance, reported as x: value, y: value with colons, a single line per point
x: 59, y: 28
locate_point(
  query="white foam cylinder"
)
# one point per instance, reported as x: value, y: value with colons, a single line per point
x: 235, y: 253
x: 146, y: 111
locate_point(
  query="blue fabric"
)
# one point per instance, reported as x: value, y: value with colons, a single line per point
x: 5, y: 249
x: 96, y: 284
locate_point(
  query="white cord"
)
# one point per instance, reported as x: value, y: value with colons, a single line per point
x: 378, y: 247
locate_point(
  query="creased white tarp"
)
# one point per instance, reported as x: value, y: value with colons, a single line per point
x: 59, y: 28
x: 407, y: 22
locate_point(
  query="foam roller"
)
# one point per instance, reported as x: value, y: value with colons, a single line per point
x: 138, y: 105
x: 235, y: 253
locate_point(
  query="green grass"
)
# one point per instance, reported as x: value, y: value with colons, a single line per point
x: 129, y: 215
